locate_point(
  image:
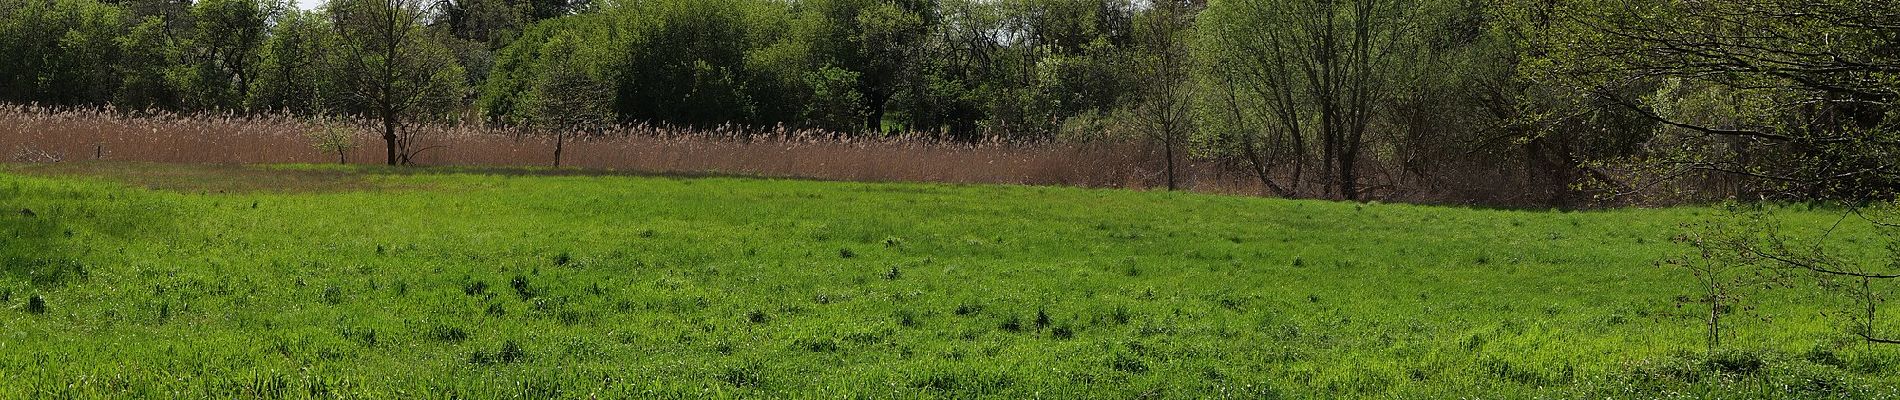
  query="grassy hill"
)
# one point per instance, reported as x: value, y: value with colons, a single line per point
x: 299, y: 281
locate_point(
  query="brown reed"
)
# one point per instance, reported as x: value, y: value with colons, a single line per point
x: 41, y: 134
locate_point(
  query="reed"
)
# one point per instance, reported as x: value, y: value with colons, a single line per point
x: 41, y: 134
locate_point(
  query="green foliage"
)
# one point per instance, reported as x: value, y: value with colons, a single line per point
x: 292, y: 74
x: 1799, y: 94
x: 59, y: 51
x: 223, y: 46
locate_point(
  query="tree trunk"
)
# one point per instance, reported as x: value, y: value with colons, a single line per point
x: 1167, y: 146
x: 1349, y: 176
x: 559, y: 141
x: 389, y: 137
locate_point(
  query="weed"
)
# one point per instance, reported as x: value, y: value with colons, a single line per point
x: 1127, y: 363
x: 445, y: 333
x: 907, y: 318
x: 509, y: 353
x: 1736, y: 362
x: 36, y: 305
x: 747, y: 376
x: 520, y: 283
x: 332, y: 295
x: 1120, y: 315
x: 475, y: 288
x: 1012, y: 324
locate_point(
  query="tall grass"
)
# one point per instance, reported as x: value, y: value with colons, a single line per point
x: 40, y: 134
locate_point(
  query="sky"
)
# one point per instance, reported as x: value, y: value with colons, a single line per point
x: 306, y: 5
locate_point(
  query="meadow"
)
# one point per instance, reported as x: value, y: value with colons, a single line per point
x: 301, y: 281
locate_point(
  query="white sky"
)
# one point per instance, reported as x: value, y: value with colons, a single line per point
x: 306, y: 5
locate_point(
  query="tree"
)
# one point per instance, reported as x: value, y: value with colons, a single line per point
x: 333, y: 138
x: 877, y: 39
x: 394, y: 68
x: 291, y: 74
x: 148, y: 53
x: 59, y: 52
x: 1796, y: 97
x: 1321, y: 66
x: 225, y: 46
x: 568, y: 99
x: 1166, y: 95
x: 1793, y: 99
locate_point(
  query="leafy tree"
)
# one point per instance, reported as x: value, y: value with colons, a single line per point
x: 59, y: 51
x: 683, y: 62
x: 225, y: 47
x: 291, y: 73
x: 1789, y: 99
x: 568, y: 99
x: 147, y: 54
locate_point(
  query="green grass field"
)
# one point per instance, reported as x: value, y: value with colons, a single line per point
x: 160, y: 281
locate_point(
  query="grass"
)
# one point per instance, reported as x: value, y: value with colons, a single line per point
x: 445, y: 283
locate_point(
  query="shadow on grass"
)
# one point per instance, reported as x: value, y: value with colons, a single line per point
x: 297, y: 178
x: 46, y: 228
x: 208, y: 178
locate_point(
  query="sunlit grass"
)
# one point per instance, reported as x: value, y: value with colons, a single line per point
x: 476, y: 283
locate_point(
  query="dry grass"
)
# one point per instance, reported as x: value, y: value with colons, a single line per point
x: 39, y: 135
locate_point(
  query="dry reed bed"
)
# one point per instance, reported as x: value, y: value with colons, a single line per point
x: 38, y: 134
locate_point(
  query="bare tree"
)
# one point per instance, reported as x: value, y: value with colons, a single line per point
x: 1320, y: 66
x: 1750, y: 248
x: 395, y: 69
x: 1167, y: 96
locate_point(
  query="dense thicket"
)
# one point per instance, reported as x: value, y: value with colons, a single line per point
x: 1501, y: 101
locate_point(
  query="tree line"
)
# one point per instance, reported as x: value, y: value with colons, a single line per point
x: 1351, y: 99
